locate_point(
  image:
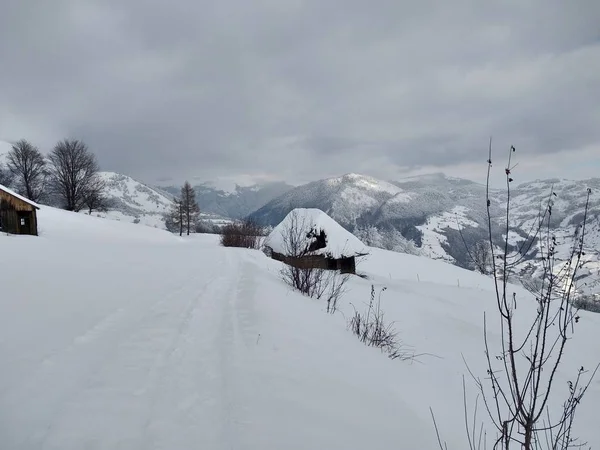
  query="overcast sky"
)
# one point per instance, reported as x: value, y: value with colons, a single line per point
x: 300, y: 90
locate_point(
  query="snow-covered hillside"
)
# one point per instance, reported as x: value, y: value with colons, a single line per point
x: 114, y: 335
x: 133, y: 201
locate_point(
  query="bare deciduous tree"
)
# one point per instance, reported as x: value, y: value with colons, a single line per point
x: 95, y: 198
x: 521, y: 374
x: 28, y: 168
x: 73, y: 172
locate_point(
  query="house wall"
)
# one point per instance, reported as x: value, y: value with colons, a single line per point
x: 11, y: 209
x: 345, y: 265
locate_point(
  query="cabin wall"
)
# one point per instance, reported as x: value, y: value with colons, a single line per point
x: 12, y: 210
x: 8, y: 221
x: 345, y: 265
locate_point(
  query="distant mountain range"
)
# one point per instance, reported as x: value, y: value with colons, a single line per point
x: 444, y: 218
x: 236, y: 203
x: 434, y: 215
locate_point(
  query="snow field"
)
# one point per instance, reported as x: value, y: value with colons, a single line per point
x: 116, y: 336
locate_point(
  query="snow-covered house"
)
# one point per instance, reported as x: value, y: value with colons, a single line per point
x: 17, y: 213
x: 309, y: 238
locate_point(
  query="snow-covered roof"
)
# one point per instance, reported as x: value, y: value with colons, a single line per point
x: 20, y: 197
x: 340, y: 242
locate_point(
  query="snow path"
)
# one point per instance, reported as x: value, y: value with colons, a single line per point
x: 156, y: 371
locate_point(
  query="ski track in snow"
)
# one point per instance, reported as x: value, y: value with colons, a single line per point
x: 142, y: 366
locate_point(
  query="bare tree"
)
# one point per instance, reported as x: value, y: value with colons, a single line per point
x: 73, y: 172
x: 190, y: 208
x: 521, y: 374
x: 95, y: 198
x: 6, y: 177
x: 28, y: 168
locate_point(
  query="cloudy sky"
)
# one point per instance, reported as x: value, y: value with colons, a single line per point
x: 303, y: 89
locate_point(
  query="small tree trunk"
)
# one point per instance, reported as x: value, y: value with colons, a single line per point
x: 180, y: 219
x: 528, y: 435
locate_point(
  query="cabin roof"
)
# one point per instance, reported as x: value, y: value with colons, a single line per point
x: 20, y: 197
x: 340, y: 242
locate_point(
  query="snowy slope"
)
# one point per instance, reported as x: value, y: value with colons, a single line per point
x: 133, y: 201
x: 131, y: 337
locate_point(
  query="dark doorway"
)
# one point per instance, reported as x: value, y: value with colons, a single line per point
x: 24, y: 223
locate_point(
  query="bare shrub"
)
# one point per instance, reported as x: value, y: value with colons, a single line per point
x: 245, y: 234
x: 521, y: 374
x: 371, y: 328
x: 587, y: 303
x: 321, y: 284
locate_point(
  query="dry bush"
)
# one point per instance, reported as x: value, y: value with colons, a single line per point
x: 244, y: 234
x: 370, y: 327
x: 321, y: 284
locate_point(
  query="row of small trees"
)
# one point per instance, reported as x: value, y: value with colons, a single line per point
x: 68, y: 176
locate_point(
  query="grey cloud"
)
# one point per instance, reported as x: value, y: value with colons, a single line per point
x: 299, y: 90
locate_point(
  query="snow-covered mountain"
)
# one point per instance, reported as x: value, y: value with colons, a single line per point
x: 234, y: 202
x: 134, y: 201
x: 347, y: 199
x: 442, y: 217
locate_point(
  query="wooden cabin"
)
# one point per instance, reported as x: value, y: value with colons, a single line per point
x: 18, y: 215
x: 320, y: 242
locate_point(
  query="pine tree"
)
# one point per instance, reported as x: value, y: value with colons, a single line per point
x: 189, y: 207
x: 174, y: 217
